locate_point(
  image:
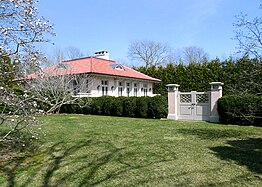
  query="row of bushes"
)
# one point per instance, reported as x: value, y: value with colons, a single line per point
x: 141, y: 107
x: 240, y: 110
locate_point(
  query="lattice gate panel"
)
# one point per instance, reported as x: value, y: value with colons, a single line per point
x: 194, y: 105
x: 202, y: 98
x: 185, y: 98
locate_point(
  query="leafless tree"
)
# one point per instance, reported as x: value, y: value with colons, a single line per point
x: 150, y: 53
x: 59, y: 55
x: 248, y: 34
x: 73, y: 53
x: 193, y: 54
x: 188, y: 55
x: 15, y: 114
x: 57, y: 85
x: 20, y: 28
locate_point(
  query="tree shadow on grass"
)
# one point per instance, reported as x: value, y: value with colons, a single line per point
x: 15, y: 160
x: 10, y: 168
x: 90, y: 173
x: 12, y: 157
x: 55, y: 165
x: 246, y: 152
x: 57, y: 160
x: 88, y: 168
x: 210, y: 134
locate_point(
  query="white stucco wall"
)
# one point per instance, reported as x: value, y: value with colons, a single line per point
x: 95, y: 85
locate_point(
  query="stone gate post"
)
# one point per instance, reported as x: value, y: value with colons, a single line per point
x: 216, y: 93
x: 172, y: 101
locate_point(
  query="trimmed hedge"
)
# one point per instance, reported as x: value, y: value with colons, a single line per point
x: 240, y: 110
x: 140, y: 107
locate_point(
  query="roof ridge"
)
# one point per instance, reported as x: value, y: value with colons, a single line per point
x: 76, y: 59
x: 104, y: 59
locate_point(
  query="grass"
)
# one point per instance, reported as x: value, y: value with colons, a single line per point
x: 83, y: 150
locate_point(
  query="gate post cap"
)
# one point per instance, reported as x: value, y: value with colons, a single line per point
x: 216, y: 85
x: 172, y: 87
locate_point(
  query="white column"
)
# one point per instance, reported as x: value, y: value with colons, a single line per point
x: 172, y: 101
x: 216, y: 93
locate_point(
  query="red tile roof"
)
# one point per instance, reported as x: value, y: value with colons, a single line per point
x: 92, y: 65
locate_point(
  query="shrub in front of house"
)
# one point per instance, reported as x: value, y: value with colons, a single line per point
x: 129, y: 106
x: 96, y: 106
x: 107, y: 106
x: 117, y: 106
x: 240, y: 110
x: 157, y: 107
x: 140, y: 107
x: 71, y: 109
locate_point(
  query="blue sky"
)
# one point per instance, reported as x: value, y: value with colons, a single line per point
x: 111, y: 25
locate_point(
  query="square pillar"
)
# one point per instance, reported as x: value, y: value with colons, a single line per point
x: 215, y: 94
x: 172, y: 101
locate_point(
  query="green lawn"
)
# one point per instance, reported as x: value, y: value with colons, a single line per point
x: 83, y: 150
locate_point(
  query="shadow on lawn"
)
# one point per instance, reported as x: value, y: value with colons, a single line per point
x: 64, y: 164
x: 94, y: 172
x: 14, y: 161
x: 246, y: 152
x: 12, y: 157
x: 213, y: 133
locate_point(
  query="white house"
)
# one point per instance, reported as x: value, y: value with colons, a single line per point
x: 102, y: 76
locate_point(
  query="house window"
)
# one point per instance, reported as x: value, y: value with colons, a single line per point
x: 145, y: 89
x: 128, y: 89
x: 88, y: 88
x: 75, y: 85
x: 120, y: 88
x: 104, y: 87
x: 135, y: 89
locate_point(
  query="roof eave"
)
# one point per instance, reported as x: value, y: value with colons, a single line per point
x: 104, y: 74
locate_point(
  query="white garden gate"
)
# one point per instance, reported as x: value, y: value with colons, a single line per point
x: 197, y: 106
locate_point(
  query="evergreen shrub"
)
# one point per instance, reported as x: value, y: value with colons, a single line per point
x: 157, y: 107
x: 140, y: 107
x: 240, y: 110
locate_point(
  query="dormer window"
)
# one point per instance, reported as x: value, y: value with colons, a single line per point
x: 117, y: 66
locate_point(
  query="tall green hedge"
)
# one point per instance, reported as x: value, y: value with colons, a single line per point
x: 140, y: 107
x: 240, y: 76
x: 240, y: 110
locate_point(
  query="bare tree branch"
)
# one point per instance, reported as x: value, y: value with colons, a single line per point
x: 21, y: 28
x: 248, y: 34
x: 58, y: 86
x: 73, y: 53
x: 150, y: 53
